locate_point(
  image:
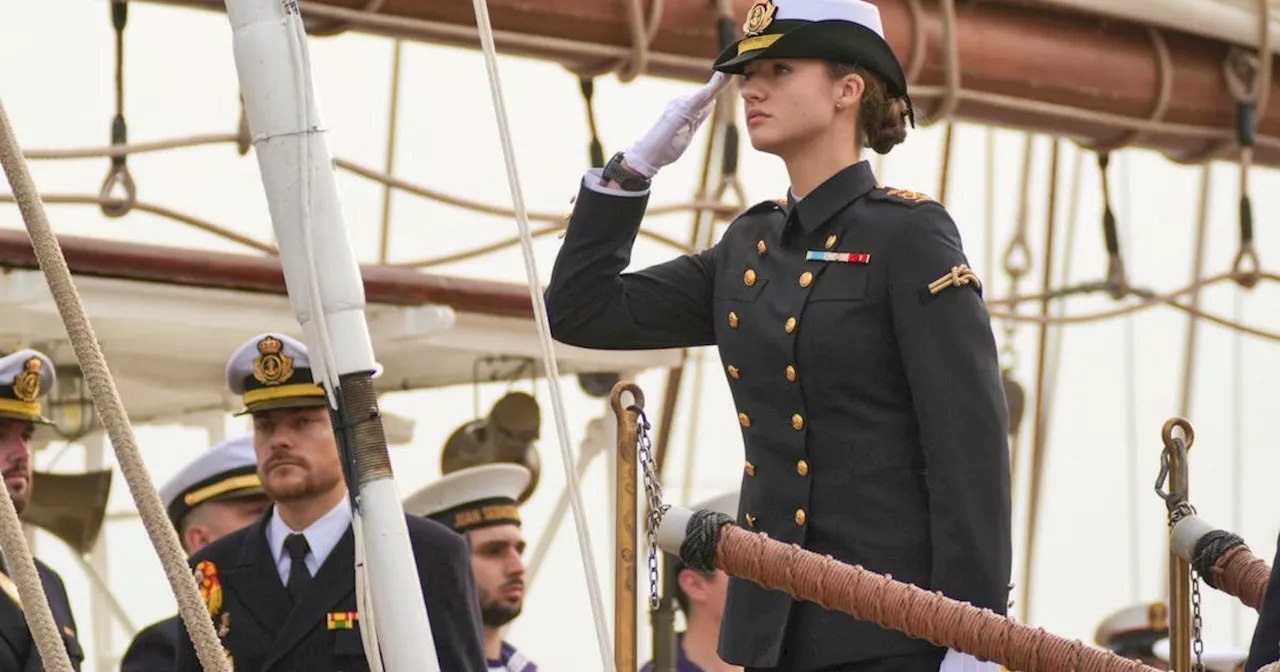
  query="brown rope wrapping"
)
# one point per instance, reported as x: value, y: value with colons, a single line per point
x: 1241, y: 573
x: 906, y: 608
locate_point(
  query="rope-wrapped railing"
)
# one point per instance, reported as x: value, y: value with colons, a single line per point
x: 708, y: 540
x: 1222, y: 558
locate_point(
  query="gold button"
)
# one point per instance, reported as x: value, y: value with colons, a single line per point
x: 791, y: 324
x: 744, y: 420
x: 749, y: 278
x: 802, y: 468
x: 751, y: 520
x: 761, y: 247
x: 806, y: 279
x: 733, y: 320
x: 750, y: 469
x: 831, y: 241
x: 800, y: 517
x: 791, y: 373
x: 733, y: 372
x: 797, y: 422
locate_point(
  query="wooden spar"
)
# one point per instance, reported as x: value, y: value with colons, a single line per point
x: 1039, y: 55
x: 250, y: 273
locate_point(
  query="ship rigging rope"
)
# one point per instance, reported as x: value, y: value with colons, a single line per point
x: 118, y: 174
x: 544, y: 334
x: 110, y: 409
x: 319, y: 312
x: 1149, y: 299
x: 31, y: 598
x: 436, y: 30
x: 716, y: 207
x: 1152, y: 124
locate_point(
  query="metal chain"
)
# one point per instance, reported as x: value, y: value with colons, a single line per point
x: 1197, y: 645
x: 653, y: 490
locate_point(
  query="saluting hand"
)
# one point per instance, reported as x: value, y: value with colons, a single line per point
x: 667, y: 140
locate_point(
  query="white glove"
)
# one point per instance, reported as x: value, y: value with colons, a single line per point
x: 963, y: 662
x: 667, y: 140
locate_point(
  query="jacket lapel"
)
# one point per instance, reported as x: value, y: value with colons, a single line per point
x: 335, y: 581
x: 256, y: 583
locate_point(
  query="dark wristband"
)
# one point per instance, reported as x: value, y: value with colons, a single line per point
x: 628, y: 180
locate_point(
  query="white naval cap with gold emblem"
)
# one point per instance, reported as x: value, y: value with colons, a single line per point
x: 273, y: 371
x: 25, y: 376
x: 473, y: 497
x: 1215, y: 658
x: 226, y: 471
x: 1137, y: 627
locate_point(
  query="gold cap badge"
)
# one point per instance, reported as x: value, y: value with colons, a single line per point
x: 759, y: 17
x: 26, y: 385
x: 272, y: 366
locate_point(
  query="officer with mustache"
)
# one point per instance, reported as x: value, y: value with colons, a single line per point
x: 282, y: 592
x: 25, y: 376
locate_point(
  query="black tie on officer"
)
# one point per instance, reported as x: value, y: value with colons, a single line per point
x: 299, y: 575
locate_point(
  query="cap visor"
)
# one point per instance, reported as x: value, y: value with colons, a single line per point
x: 243, y: 493
x: 737, y: 64
x: 41, y: 420
x: 288, y: 402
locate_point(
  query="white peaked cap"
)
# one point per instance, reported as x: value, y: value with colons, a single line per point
x: 229, y: 469
x: 473, y: 497
x: 1138, y: 618
x: 1216, y: 658
x: 854, y: 11
x: 25, y: 376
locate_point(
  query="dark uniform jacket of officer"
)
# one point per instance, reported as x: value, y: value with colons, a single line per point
x: 872, y: 411
x: 1265, y: 647
x: 154, y: 648
x: 266, y: 633
x: 18, y: 651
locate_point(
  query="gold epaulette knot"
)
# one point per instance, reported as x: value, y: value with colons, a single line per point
x: 958, y: 276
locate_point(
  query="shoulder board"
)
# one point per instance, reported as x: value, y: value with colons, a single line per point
x: 900, y: 196
x: 766, y: 206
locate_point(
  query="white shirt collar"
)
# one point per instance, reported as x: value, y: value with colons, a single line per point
x: 321, y: 535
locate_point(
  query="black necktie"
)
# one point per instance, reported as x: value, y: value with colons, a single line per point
x: 299, y: 576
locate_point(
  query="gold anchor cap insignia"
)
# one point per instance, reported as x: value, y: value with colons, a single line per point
x: 759, y: 17
x: 26, y: 385
x: 272, y: 366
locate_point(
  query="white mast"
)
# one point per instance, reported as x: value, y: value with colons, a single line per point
x: 327, y: 293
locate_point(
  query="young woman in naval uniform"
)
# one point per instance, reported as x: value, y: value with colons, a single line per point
x: 854, y: 338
